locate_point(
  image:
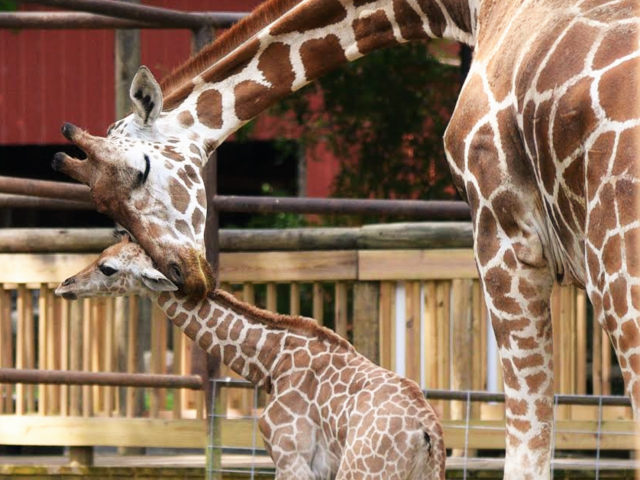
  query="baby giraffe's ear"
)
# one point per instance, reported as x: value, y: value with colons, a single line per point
x: 156, y: 281
x: 146, y: 96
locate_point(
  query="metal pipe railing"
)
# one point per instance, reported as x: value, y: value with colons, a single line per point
x: 45, y: 189
x: 145, y: 13
x: 107, y: 379
x: 23, y: 201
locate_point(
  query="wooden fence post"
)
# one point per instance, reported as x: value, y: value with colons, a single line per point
x: 366, y: 325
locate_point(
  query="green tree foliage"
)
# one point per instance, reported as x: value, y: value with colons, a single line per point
x: 383, y: 117
x: 8, y: 6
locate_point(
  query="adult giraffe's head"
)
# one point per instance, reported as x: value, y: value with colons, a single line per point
x: 147, y: 175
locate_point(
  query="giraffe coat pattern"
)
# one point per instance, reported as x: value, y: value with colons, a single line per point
x: 543, y: 144
x: 332, y: 413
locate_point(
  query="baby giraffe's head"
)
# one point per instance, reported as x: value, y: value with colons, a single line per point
x: 122, y: 269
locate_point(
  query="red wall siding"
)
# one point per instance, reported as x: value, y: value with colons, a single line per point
x: 48, y: 77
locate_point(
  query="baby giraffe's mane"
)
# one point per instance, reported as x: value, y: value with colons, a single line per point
x: 177, y: 85
x: 300, y: 325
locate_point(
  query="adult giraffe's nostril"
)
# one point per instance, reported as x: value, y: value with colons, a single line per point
x: 175, y: 274
x: 68, y: 282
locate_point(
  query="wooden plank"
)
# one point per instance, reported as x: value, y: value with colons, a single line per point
x: 341, y: 309
x: 461, y: 343
x: 288, y: 266
x: 97, y: 347
x: 416, y: 264
x: 75, y: 353
x: 30, y: 347
x: 596, y: 367
x: 108, y: 353
x: 413, y: 305
x: 318, y: 303
x: 249, y: 293
x: 132, y: 353
x: 581, y: 345
x: 443, y: 318
x: 157, y: 318
x: 430, y: 335
x: 556, y: 312
x: 178, y: 341
x: 387, y: 292
x: 116, y: 432
x: 65, y: 319
x: 272, y: 297
x: 606, y: 365
x: 53, y: 353
x: 6, y: 358
x: 366, y: 325
x: 294, y: 299
x: 120, y: 348
x: 20, y: 345
x: 42, y: 268
x: 87, y: 406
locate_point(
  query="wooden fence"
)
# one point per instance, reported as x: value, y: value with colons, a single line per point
x: 417, y: 311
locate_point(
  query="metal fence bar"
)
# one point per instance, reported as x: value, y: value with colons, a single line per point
x: 69, y: 21
x: 70, y: 377
x: 45, y: 189
x: 8, y: 200
x: 145, y: 13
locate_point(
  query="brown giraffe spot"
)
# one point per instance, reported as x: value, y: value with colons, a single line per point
x: 546, y: 164
x: 575, y: 119
x: 316, y: 14
x: 521, y: 425
x: 606, y: 303
x: 622, y: 11
x: 170, y: 152
x: 543, y: 409
x: 209, y: 109
x: 251, y: 99
x: 301, y: 359
x: 564, y: 211
x: 206, y: 340
x: 171, y: 311
x: 618, y: 92
x: 163, y: 298
x: 270, y: 349
x: 539, y: 442
x: 535, y: 381
x: 179, y: 195
x: 215, y: 316
x: 190, y: 304
x: 168, y: 165
x: 201, y: 197
x: 627, y: 197
x: 229, y: 353
x: 255, y: 374
x: 185, y: 119
x: 295, y: 402
x: 195, y: 149
x: 374, y: 464
x: 517, y: 407
x: 483, y: 161
x: 626, y: 158
x: 223, y: 329
x: 528, y: 343
x: 197, y: 219
x: 408, y: 20
x: 602, y: 217
x: 506, y: 206
x: 634, y: 363
x: 568, y: 58
x: 598, y: 162
x: 184, y: 228
x: 238, y: 365
x: 236, y: 330
x: 320, y: 56
x: 192, y: 328
x: 574, y: 177
x: 233, y: 63
x: 611, y: 257
x: 593, y: 264
x: 505, y: 329
x: 615, y: 45
x: 526, y: 289
x: 182, y: 174
x: 497, y: 282
x: 248, y: 346
x: 487, y: 244
x: 509, y: 374
x: 436, y: 19
x: 310, y: 385
x: 373, y: 32
x: 204, y: 310
x: 630, y: 336
x: 535, y: 360
x: 180, y: 319
x: 632, y: 244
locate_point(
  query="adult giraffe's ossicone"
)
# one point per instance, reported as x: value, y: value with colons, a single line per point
x: 543, y: 144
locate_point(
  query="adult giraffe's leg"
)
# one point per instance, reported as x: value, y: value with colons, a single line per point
x: 517, y: 284
x: 613, y: 247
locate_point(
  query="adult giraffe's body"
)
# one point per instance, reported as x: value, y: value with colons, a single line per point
x: 543, y: 144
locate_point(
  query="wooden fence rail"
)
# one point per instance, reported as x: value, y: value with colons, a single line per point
x: 417, y: 311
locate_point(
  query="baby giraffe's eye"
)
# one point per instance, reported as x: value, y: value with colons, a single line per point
x: 107, y: 271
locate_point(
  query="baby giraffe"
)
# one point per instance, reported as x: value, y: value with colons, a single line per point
x: 332, y: 413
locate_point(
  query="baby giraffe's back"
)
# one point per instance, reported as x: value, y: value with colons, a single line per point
x: 335, y: 414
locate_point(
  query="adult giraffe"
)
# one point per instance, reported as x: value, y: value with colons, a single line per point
x: 542, y: 143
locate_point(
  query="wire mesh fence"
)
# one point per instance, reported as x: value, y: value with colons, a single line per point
x: 601, y: 446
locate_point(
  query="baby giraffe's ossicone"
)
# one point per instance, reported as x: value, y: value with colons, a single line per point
x: 331, y: 412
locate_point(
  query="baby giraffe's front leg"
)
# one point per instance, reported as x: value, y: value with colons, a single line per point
x: 289, y: 441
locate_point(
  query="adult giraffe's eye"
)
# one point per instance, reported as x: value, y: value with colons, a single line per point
x: 142, y: 176
x: 107, y: 271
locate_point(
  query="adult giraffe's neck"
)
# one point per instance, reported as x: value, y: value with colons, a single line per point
x: 288, y: 43
x: 250, y: 341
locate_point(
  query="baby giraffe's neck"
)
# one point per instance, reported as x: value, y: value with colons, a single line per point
x: 250, y: 341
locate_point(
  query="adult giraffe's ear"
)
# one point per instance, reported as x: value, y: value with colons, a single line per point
x: 156, y: 281
x: 146, y: 96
